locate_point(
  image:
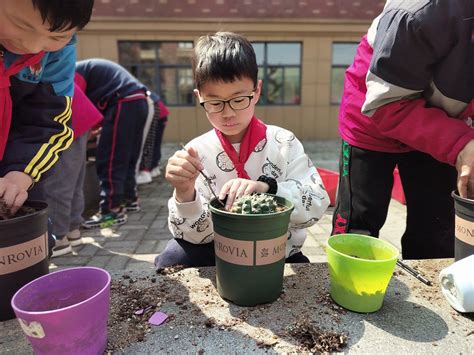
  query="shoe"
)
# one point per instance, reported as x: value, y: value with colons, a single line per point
x: 61, y: 247
x: 131, y: 206
x: 155, y: 172
x: 74, y: 237
x: 144, y: 177
x: 106, y: 220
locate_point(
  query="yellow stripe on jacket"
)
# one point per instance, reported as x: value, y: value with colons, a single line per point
x: 56, y: 152
x: 56, y: 144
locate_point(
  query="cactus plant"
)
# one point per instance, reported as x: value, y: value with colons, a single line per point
x: 255, y: 204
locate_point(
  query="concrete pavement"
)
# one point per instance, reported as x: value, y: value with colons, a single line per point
x: 134, y: 245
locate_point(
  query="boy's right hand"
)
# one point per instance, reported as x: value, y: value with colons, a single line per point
x: 13, y: 190
x: 182, y: 171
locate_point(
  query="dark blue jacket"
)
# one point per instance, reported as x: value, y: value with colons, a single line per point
x: 106, y: 81
x: 40, y: 127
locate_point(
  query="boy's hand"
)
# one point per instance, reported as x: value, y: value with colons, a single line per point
x: 13, y: 189
x: 182, y: 171
x: 236, y: 188
x: 465, y: 167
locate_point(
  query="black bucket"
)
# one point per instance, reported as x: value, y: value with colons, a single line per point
x: 23, y: 253
x: 464, y: 227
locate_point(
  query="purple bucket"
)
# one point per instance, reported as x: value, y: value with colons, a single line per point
x: 65, y: 312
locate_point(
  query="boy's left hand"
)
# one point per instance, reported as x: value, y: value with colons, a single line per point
x: 236, y: 188
x: 13, y: 189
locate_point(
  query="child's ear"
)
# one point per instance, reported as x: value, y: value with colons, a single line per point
x: 196, y: 93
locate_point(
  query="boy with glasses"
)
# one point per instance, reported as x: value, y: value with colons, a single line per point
x: 241, y: 155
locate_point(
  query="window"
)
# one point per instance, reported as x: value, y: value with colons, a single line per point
x: 342, y: 56
x: 279, y: 66
x: 165, y: 67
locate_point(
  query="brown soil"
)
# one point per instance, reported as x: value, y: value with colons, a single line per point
x: 316, y: 340
x: 162, y: 292
x: 5, y: 212
x: 125, y: 326
x: 431, y: 272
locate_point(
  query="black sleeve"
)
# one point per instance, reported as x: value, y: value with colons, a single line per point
x: 40, y: 131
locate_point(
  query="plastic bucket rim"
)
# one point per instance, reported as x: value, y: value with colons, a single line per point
x: 362, y: 259
x: 20, y: 219
x: 455, y: 195
x: 109, y: 278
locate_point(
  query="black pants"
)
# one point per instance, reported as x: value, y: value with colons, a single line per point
x: 365, y: 186
x: 118, y: 151
x: 181, y: 252
x: 149, y: 146
x: 160, y: 129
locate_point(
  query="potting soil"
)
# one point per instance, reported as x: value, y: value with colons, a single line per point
x: 135, y: 299
x: 5, y: 212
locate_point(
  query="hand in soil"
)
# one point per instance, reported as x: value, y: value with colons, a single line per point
x: 13, y: 189
x: 5, y: 211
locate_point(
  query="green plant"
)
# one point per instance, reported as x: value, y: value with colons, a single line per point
x: 255, y: 204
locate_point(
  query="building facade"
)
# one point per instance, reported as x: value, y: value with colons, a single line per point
x: 302, y: 47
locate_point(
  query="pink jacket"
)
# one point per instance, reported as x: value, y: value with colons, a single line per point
x: 84, y: 114
x: 164, y: 112
x: 395, y: 99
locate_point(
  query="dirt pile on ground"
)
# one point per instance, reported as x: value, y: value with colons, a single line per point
x: 130, y: 308
x: 198, y: 309
x: 316, y: 340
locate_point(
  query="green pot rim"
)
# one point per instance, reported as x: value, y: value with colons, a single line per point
x: 361, y: 236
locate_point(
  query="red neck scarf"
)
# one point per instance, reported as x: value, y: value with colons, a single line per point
x: 256, y: 131
x: 5, y: 98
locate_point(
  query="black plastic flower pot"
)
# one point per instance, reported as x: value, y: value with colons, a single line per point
x: 250, y: 253
x: 464, y: 227
x: 23, y: 253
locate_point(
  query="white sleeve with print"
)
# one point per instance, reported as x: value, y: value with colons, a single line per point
x: 298, y: 181
x: 192, y: 221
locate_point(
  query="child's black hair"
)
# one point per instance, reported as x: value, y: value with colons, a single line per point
x: 63, y: 15
x: 224, y: 56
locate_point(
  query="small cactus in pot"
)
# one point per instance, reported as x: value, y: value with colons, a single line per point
x: 255, y: 204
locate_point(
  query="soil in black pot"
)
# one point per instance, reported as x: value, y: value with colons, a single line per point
x: 5, y: 212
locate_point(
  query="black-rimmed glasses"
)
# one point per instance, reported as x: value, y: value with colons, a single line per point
x: 236, y: 103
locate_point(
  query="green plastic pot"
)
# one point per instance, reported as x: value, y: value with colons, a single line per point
x: 360, y: 269
x: 250, y: 253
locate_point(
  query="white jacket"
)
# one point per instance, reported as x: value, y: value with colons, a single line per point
x: 281, y: 156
